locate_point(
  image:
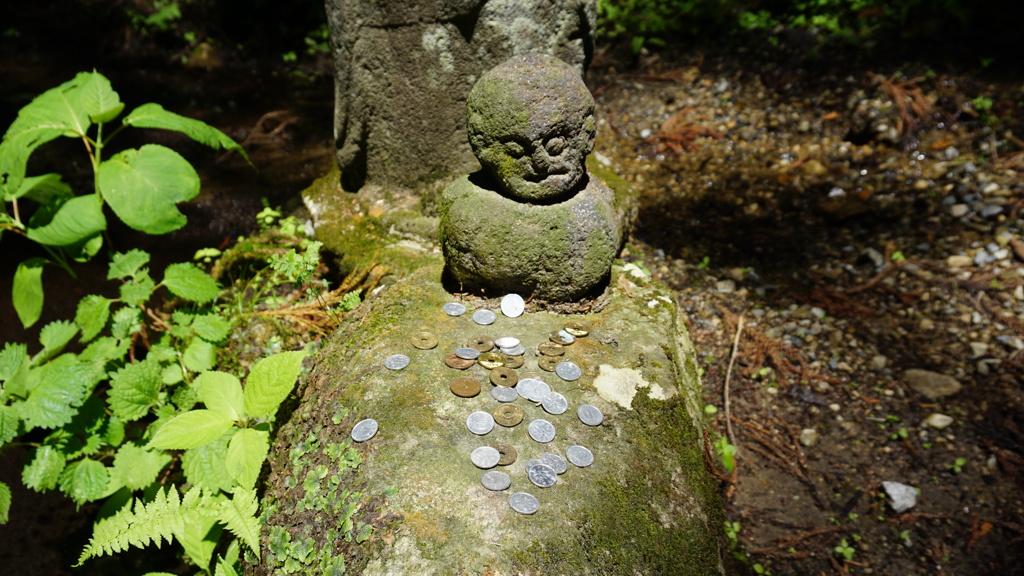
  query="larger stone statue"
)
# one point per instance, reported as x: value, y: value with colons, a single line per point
x: 403, y: 69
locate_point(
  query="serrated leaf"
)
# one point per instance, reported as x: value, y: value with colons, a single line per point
x: 92, y: 315
x: 205, y: 466
x: 199, y: 536
x: 138, y: 524
x: 138, y: 290
x: 239, y: 515
x: 123, y: 265
x: 224, y: 568
x: 12, y: 358
x: 5, y: 503
x: 84, y: 481
x: 113, y: 432
x: 54, y: 337
x: 246, y: 454
x: 200, y: 355
x: 100, y: 101
x: 44, y: 188
x: 155, y: 116
x: 55, y: 390
x: 270, y: 381
x: 163, y: 352
x: 188, y: 281
x: 211, y: 327
x: 67, y: 221
x: 136, y: 467
x: 103, y: 350
x: 134, y: 389
x: 221, y: 392
x: 27, y: 291
x: 9, y: 423
x: 172, y: 374
x: 44, y: 470
x: 191, y: 429
x: 127, y: 321
x: 143, y: 187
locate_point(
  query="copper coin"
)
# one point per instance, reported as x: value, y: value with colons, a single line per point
x: 491, y: 360
x: 503, y: 376
x: 508, y: 415
x: 577, y: 328
x: 548, y: 363
x: 551, y: 349
x: 424, y: 340
x: 561, y: 338
x: 465, y: 387
x: 481, y: 343
x: 508, y: 454
x: 512, y: 361
x: 453, y: 361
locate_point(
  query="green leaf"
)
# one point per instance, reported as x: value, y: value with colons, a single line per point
x: 154, y: 116
x: 246, y: 454
x: 100, y: 101
x: 84, y: 481
x: 200, y: 355
x: 222, y: 393
x: 113, y: 432
x: 127, y: 321
x: 127, y: 264
x: 92, y: 315
x: 239, y: 515
x: 270, y: 382
x: 12, y: 358
x: 186, y: 280
x: 103, y: 350
x: 142, y: 187
x: 84, y: 251
x: 43, y: 189
x: 9, y: 423
x: 191, y: 429
x: 205, y: 466
x: 138, y: 290
x: 136, y: 467
x: 54, y: 337
x: 55, y: 390
x: 211, y: 327
x: 43, y: 471
x: 5, y: 503
x: 199, y: 536
x: 27, y: 292
x: 64, y: 222
x: 134, y: 389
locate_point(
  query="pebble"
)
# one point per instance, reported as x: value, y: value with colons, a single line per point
x: 725, y: 286
x: 901, y: 496
x: 808, y: 437
x: 978, y: 349
x: 878, y: 362
x: 958, y: 210
x: 931, y: 384
x: 938, y: 421
x: 959, y: 261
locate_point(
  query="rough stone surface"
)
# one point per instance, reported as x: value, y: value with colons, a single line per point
x: 403, y: 70
x: 901, y: 496
x: 931, y: 384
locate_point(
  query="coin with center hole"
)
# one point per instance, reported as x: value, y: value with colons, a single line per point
x: 542, y: 475
x: 467, y: 353
x: 562, y: 337
x: 554, y: 403
x: 551, y: 349
x: 568, y: 371
x: 396, y: 361
x: 485, y: 457
x: 491, y: 360
x: 508, y: 454
x: 453, y: 361
x: 577, y: 328
x: 511, y: 361
x: 524, y: 503
x: 541, y: 430
x: 506, y: 342
x: 496, y: 481
x: 481, y: 343
x: 424, y: 340
x: 454, y: 309
x: 484, y: 317
x: 508, y: 415
x: 547, y: 363
x: 480, y: 422
x: 465, y: 386
x: 512, y: 305
x: 502, y: 394
x: 517, y: 350
x: 502, y: 376
x: 364, y: 430
x: 590, y: 415
x: 579, y: 455
x: 556, y: 462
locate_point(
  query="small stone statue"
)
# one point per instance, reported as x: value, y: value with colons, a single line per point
x: 533, y: 220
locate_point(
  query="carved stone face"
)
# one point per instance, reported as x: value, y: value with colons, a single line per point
x: 531, y: 125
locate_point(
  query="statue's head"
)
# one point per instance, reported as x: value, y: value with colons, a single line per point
x: 531, y: 125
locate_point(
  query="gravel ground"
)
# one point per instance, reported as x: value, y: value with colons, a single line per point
x: 846, y: 246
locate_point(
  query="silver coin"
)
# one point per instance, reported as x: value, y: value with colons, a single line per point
x: 512, y: 305
x: 538, y: 391
x: 480, y: 423
x: 454, y: 309
x: 542, y: 475
x: 541, y: 430
x: 484, y: 317
x: 590, y: 415
x: 517, y: 350
x: 496, y: 481
x: 506, y: 342
x: 396, y: 361
x: 568, y: 371
x: 364, y: 430
x: 467, y: 353
x: 533, y: 462
x: 524, y: 503
x: 567, y: 338
x: 504, y: 394
x: 554, y: 403
x: 555, y: 462
x: 579, y: 455
x: 525, y: 386
x: 485, y: 457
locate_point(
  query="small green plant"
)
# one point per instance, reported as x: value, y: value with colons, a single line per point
x: 844, y: 550
x: 705, y: 263
x: 727, y: 452
x: 957, y: 466
x: 897, y: 256
x: 732, y: 532
x: 900, y: 434
x: 141, y: 186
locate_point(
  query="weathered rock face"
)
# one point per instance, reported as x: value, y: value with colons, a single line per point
x: 403, y: 70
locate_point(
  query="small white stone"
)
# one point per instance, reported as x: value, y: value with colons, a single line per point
x: 958, y: 210
x: 726, y: 286
x: 938, y: 421
x: 834, y: 407
x: 901, y: 496
x: 959, y: 261
x: 978, y: 349
x: 808, y: 437
x: 879, y: 362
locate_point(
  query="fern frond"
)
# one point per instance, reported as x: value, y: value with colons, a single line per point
x: 139, y: 524
x: 239, y: 515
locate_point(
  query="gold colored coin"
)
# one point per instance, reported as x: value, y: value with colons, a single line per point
x: 465, y: 386
x: 481, y: 343
x: 512, y: 361
x: 559, y: 339
x: 508, y: 454
x: 508, y: 415
x: 548, y: 363
x: 453, y: 361
x: 551, y: 349
x: 503, y: 376
x: 424, y: 340
x: 577, y: 328
x: 491, y: 360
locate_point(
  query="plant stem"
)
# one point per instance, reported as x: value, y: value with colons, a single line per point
x: 60, y: 261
